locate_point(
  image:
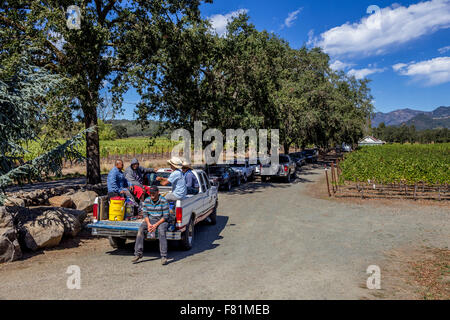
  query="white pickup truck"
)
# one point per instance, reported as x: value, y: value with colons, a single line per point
x: 188, y: 213
x: 244, y: 167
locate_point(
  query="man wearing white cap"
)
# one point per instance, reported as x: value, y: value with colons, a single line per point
x: 176, y: 178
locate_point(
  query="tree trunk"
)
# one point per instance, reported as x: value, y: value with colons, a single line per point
x: 92, y: 148
x: 303, y: 146
x: 286, y: 147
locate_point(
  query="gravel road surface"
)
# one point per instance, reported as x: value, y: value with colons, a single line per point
x: 271, y: 241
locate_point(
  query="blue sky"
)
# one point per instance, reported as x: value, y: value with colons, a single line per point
x: 403, y: 47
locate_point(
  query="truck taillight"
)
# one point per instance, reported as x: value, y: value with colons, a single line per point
x: 179, y: 215
x: 285, y: 168
x: 95, y: 209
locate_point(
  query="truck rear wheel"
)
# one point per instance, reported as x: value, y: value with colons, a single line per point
x: 187, y: 237
x: 289, y: 177
x: 213, y: 216
x: 117, y: 243
x: 263, y: 178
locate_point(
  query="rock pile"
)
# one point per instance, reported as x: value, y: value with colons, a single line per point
x: 43, y: 196
x: 36, y: 228
x: 28, y: 223
x: 9, y: 245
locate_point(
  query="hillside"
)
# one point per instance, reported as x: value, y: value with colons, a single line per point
x: 134, y: 129
x: 439, y: 118
x: 424, y: 122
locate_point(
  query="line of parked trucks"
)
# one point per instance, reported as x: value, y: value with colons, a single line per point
x: 225, y: 176
x: 192, y: 210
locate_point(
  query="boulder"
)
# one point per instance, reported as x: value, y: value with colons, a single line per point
x: 61, y: 201
x: 45, y: 231
x: 72, y: 220
x: 79, y: 214
x: 71, y: 224
x: 70, y: 192
x: 6, y: 219
x: 84, y: 200
x: 13, y: 202
x: 9, y: 245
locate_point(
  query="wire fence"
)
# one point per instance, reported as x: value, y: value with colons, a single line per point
x: 377, y: 190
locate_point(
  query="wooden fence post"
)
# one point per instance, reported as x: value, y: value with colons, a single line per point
x: 337, y: 169
x: 328, y: 185
x: 362, y: 188
x: 332, y: 177
x: 362, y: 191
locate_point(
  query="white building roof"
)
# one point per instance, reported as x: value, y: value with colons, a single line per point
x: 370, y: 140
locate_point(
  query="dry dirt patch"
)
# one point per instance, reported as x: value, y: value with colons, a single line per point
x: 83, y: 244
x: 420, y: 273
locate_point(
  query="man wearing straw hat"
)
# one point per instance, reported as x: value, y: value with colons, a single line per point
x: 191, y: 181
x: 176, y: 178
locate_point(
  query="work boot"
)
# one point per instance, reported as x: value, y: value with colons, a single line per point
x: 163, y: 261
x: 136, y: 259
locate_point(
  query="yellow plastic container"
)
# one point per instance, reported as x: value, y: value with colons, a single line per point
x: 116, y: 209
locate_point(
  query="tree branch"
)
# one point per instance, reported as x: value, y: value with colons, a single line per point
x: 104, y: 13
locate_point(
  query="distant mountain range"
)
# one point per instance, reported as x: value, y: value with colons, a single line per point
x: 422, y: 120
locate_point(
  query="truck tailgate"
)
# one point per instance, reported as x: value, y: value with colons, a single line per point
x: 124, y: 229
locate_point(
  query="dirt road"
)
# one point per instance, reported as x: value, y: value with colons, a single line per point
x: 272, y: 241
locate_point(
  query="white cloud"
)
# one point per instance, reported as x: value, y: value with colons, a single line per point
x: 311, y: 40
x: 219, y: 22
x: 399, y: 66
x: 362, y: 73
x: 444, y: 49
x: 339, y: 65
x: 391, y: 26
x: 292, y: 16
x: 431, y: 72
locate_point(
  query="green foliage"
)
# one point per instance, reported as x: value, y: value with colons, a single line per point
x: 98, y: 55
x: 21, y: 94
x: 253, y: 79
x: 409, y: 134
x: 43, y: 165
x: 399, y: 163
x: 120, y: 147
x: 106, y: 131
x: 133, y: 129
x: 318, y: 106
x: 117, y: 147
x: 121, y: 131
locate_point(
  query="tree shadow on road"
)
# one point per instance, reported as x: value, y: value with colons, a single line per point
x: 275, y: 183
x: 204, y: 238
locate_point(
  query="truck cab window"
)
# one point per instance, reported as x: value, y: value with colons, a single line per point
x: 202, y: 181
x: 208, y: 185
